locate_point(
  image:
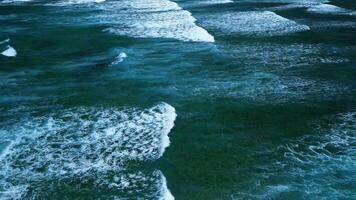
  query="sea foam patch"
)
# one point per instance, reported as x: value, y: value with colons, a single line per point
x: 77, y: 142
x: 253, y: 23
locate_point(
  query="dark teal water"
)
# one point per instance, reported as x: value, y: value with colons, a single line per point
x: 154, y: 99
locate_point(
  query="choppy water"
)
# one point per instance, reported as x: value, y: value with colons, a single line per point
x: 159, y: 99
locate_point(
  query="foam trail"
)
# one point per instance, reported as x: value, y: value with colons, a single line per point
x: 9, y: 52
x: 76, y: 142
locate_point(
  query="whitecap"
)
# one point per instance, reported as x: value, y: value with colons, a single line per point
x: 253, y: 23
x: 9, y: 52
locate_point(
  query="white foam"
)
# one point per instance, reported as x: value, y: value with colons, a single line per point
x: 9, y: 52
x: 78, y: 141
x: 253, y: 23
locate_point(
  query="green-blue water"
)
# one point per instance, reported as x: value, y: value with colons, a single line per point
x: 155, y: 99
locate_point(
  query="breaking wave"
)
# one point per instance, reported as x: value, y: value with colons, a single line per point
x: 86, y: 144
x: 253, y: 23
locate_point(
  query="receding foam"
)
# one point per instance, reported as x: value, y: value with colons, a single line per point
x: 76, y: 142
x: 253, y: 23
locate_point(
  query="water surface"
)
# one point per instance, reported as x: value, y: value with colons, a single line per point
x: 158, y: 99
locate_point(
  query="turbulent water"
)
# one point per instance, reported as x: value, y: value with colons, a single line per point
x: 159, y: 99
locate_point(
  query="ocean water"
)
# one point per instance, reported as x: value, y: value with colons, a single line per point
x: 160, y: 99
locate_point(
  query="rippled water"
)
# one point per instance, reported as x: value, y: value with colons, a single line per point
x: 159, y: 99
